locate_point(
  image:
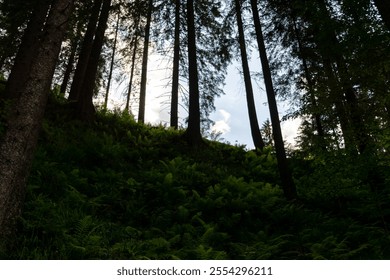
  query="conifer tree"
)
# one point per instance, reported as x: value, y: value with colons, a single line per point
x: 26, y: 50
x: 174, y: 119
x: 254, y: 125
x: 20, y: 138
x: 85, y: 107
x: 85, y: 52
x: 193, y: 133
x: 284, y: 170
x: 112, y: 61
x: 142, y: 97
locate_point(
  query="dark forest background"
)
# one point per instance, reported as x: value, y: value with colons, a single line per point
x: 82, y: 180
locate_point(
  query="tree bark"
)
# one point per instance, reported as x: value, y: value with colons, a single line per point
x: 27, y: 51
x: 85, y: 108
x: 192, y: 133
x: 175, y: 73
x: 284, y: 170
x: 144, y: 74
x: 20, y: 138
x: 85, y: 52
x: 254, y: 124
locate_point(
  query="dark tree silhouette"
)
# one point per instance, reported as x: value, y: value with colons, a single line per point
x: 20, y: 138
x: 85, y: 52
x: 193, y: 134
x: 142, y: 96
x: 284, y: 170
x: 254, y: 124
x: 85, y: 107
x: 175, y: 72
x: 27, y: 51
x: 112, y: 61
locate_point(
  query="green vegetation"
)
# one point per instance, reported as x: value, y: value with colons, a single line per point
x: 117, y: 189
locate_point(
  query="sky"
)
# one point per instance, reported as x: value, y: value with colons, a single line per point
x: 231, y: 114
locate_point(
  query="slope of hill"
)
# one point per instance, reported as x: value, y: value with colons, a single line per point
x: 116, y: 189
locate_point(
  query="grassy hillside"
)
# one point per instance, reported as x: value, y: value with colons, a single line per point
x: 116, y: 189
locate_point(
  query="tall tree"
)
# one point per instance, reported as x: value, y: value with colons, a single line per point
x: 112, y: 61
x: 142, y: 97
x: 85, y: 108
x: 174, y: 120
x: 20, y: 138
x: 75, y: 42
x: 211, y: 50
x: 309, y: 85
x: 133, y: 46
x: 85, y: 52
x: 254, y: 124
x: 336, y: 42
x: 27, y: 50
x: 133, y: 64
x: 193, y: 133
x: 284, y: 170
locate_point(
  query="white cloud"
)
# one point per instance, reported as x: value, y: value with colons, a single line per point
x: 222, y: 125
x: 290, y: 130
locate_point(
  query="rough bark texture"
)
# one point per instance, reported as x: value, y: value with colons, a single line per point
x: 254, y: 124
x: 27, y: 51
x: 192, y: 133
x: 85, y: 52
x: 142, y: 95
x: 284, y: 170
x: 19, y: 141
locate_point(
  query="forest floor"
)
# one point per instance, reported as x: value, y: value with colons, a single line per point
x: 116, y: 189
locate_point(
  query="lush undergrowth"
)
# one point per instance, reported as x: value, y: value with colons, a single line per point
x: 116, y: 189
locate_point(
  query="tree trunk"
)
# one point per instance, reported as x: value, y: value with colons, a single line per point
x: 255, y: 129
x: 192, y: 133
x: 284, y: 170
x: 27, y: 51
x: 175, y: 73
x: 112, y: 63
x: 19, y: 140
x: 85, y: 108
x: 144, y: 74
x: 130, y: 87
x: 335, y: 92
x: 85, y: 52
x: 71, y: 60
x: 383, y: 7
